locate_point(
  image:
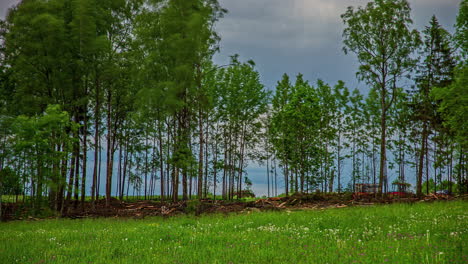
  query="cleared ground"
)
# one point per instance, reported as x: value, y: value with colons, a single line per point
x: 398, y: 233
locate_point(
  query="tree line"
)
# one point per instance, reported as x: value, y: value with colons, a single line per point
x: 127, y: 91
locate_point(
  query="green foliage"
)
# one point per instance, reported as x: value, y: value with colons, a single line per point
x: 461, y: 36
x: 436, y: 70
x: 10, y: 183
x: 192, y: 207
x: 239, y: 100
x: 42, y: 142
x: 138, y: 78
x: 39, y: 135
x: 379, y: 34
x: 454, y: 105
x: 440, y: 186
x: 303, y: 130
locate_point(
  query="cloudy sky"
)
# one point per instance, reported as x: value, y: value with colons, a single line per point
x: 304, y: 35
x: 292, y: 36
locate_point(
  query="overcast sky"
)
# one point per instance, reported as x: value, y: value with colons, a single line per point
x: 292, y: 36
x: 304, y: 35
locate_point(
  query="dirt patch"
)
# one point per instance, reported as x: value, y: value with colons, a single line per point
x: 141, y: 209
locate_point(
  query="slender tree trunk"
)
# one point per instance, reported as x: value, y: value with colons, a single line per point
x: 99, y: 171
x: 161, y: 164
x: 331, y: 174
x: 241, y: 161
x: 119, y: 170
x: 403, y: 169
x: 175, y: 170
x: 354, y: 162
x: 427, y: 165
x: 374, y: 166
x: 421, y: 160
x: 206, y: 181
x: 154, y: 168
x: 175, y: 184
x: 215, y: 166
x: 339, y: 161
x: 63, y: 169
x: 296, y: 181
x: 128, y: 179
x: 77, y: 173
x: 383, y: 149
x: 94, y: 189
x: 200, y: 153
x: 71, y: 178
x: 268, y: 171
x: 460, y: 171
x: 38, y: 201
x: 450, y: 169
x: 225, y: 167
x: 168, y: 166
x: 146, y: 163
x: 301, y: 169
x: 184, y: 184
x: 190, y: 175
x: 232, y: 166
x: 85, y: 160
x: 276, y: 177
x: 110, y: 158
x: 125, y: 169
x: 190, y: 183
x: 54, y: 188
x: 435, y: 164
x: 286, y: 177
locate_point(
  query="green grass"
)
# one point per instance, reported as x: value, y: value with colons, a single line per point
x: 11, y: 198
x: 419, y: 233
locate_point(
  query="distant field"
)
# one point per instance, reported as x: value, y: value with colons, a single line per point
x: 419, y: 233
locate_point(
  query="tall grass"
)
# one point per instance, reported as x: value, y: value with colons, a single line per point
x: 419, y: 233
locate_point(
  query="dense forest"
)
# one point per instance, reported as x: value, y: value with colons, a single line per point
x: 127, y: 91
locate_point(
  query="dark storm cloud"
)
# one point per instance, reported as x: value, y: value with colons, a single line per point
x: 304, y: 35
x: 445, y: 10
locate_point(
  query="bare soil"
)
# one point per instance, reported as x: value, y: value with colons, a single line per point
x: 144, y: 208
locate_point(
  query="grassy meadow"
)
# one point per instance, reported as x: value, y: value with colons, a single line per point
x: 399, y: 233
